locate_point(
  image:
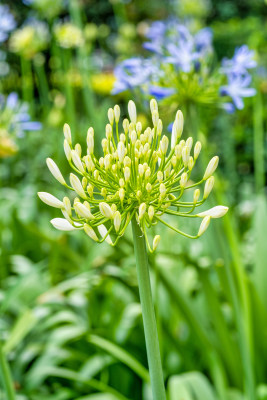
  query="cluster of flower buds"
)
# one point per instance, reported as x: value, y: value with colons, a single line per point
x: 140, y: 175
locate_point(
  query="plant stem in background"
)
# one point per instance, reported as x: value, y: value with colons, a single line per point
x: 149, y: 320
x: 258, y: 136
x: 27, y: 82
x: 83, y: 60
x: 6, y: 376
x: 70, y: 105
x: 43, y: 87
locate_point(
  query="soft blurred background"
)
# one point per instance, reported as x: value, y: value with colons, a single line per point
x: 71, y: 325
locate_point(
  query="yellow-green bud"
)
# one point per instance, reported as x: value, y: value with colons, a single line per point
x: 106, y: 210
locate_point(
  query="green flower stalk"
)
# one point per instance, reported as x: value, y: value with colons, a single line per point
x: 139, y: 178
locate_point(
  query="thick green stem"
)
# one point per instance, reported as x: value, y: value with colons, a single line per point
x: 6, y: 376
x: 149, y: 320
x: 258, y: 142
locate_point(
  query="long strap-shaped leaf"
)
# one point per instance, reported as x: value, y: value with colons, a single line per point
x: 121, y: 355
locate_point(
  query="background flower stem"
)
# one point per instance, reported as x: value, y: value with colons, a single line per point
x: 258, y: 142
x: 6, y: 376
x: 149, y: 320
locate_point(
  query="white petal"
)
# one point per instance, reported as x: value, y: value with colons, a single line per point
x: 50, y: 200
x: 62, y: 224
x: 214, y: 212
x: 103, y: 231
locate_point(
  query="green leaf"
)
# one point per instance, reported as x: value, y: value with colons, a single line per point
x: 121, y: 355
x: 23, y: 325
x: 190, y: 386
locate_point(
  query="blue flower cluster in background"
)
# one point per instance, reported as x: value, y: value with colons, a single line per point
x: 238, y: 77
x: 14, y: 116
x: 7, y: 22
x: 174, y: 51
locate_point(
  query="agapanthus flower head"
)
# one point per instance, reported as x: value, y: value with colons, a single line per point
x: 180, y: 69
x: 15, y: 119
x: 30, y: 39
x: 7, y: 22
x: 141, y: 175
x: 68, y: 35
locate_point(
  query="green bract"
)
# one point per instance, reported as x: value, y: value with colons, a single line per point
x: 140, y: 175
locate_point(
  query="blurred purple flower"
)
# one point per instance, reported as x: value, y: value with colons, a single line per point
x: 203, y: 40
x: 182, y: 55
x: 7, y: 22
x: 241, y: 61
x: 15, y: 117
x: 132, y: 73
x: 237, y: 88
x: 160, y: 92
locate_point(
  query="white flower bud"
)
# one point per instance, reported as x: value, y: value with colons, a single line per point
x: 142, y: 210
x: 190, y: 163
x: 55, y: 171
x: 90, y: 189
x: 212, y: 165
x: 159, y: 127
x: 78, y: 149
x: 214, y: 212
x: 148, y: 173
x: 132, y: 111
x: 77, y: 161
x: 208, y: 186
x: 90, y: 232
x: 111, y: 116
x: 108, y: 131
x: 122, y: 138
x: 117, y: 113
x: 141, y: 170
x: 197, y: 150
x: 189, y: 143
x: 127, y: 173
x: 148, y: 187
x: 133, y: 136
x: 77, y: 186
x: 180, y: 123
x: 185, y: 155
x: 164, y: 144
x: 83, y: 211
x: 121, y: 151
x: 155, y: 118
x: 196, y: 196
x: 127, y: 161
x: 138, y: 128
x: 151, y: 212
x: 103, y: 231
x: 117, y: 221
x: 51, y: 200
x: 125, y: 125
x: 105, y: 210
x: 67, y: 205
x: 90, y: 140
x: 67, y: 150
x: 63, y: 225
x: 67, y: 133
x: 160, y: 176
x: 153, y: 105
x: 121, y: 194
x: 162, y: 189
x: 183, y: 180
x: 204, y: 225
x: 156, y: 241
x: 174, y: 137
